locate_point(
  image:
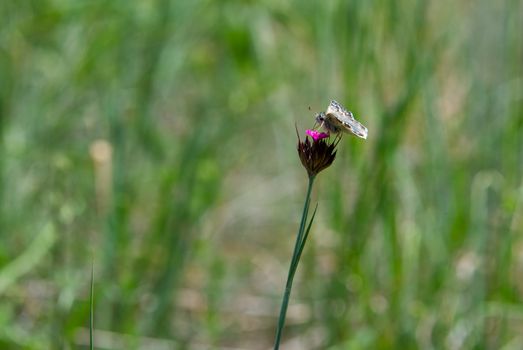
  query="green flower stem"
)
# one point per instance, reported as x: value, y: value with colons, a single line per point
x: 91, y: 309
x: 298, y: 248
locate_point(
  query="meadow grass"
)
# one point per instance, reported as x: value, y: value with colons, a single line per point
x: 157, y: 138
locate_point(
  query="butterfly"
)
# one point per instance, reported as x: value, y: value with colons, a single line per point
x: 337, y: 119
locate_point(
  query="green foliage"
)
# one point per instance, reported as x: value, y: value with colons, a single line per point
x: 157, y: 138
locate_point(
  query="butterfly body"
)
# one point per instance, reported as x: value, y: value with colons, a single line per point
x: 337, y: 119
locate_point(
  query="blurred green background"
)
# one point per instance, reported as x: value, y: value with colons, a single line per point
x: 155, y: 139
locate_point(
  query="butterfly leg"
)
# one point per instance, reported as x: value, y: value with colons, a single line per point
x: 318, y: 125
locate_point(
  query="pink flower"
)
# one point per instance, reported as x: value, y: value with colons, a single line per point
x: 316, y: 135
x: 316, y: 154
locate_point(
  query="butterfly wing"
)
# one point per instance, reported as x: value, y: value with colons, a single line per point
x: 345, y: 118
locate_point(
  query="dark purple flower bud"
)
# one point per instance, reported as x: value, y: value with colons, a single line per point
x: 317, y: 154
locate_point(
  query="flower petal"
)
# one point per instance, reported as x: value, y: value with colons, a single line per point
x: 316, y: 135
